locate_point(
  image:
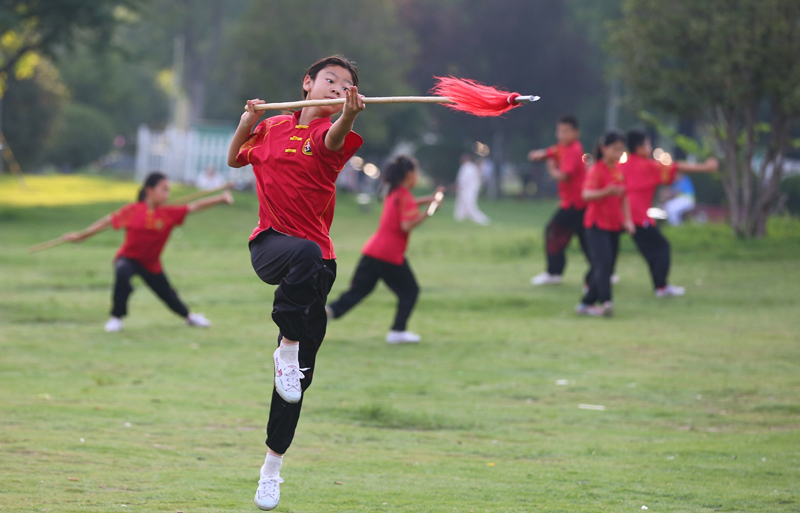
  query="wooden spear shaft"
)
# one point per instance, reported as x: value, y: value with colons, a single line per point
x: 199, y: 194
x: 47, y: 245
x: 372, y: 99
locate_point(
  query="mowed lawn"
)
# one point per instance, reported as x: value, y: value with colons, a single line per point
x: 701, y: 394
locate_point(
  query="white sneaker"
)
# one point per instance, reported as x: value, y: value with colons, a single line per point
x: 402, y: 337
x: 287, y: 379
x: 583, y: 309
x: 268, y: 493
x: 114, y: 325
x: 198, y: 320
x: 670, y: 290
x: 546, y: 279
x: 614, y: 279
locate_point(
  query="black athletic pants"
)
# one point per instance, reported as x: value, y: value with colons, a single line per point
x: 557, y: 235
x: 304, y: 280
x: 398, y: 278
x: 603, y: 249
x: 656, y: 251
x: 125, y: 269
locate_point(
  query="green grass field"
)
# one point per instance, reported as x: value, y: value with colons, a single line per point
x: 701, y: 393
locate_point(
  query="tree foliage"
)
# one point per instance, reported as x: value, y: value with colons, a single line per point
x: 731, y: 65
x: 44, y: 26
x: 81, y: 135
x: 279, y: 40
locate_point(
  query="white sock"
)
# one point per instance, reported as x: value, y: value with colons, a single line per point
x: 289, y: 353
x: 272, y: 465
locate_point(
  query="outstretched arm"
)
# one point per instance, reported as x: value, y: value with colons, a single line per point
x: 334, y: 139
x: 96, y: 227
x: 410, y: 224
x: 246, y: 124
x: 596, y: 194
x: 202, y: 204
x: 555, y: 173
x: 427, y: 200
x: 709, y: 166
x: 535, y: 155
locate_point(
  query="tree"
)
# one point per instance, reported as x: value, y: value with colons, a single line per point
x: 43, y: 26
x: 732, y: 66
x: 279, y: 40
x: 531, y: 48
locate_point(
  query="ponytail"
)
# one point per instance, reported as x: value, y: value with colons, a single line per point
x: 609, y: 138
x: 397, y: 170
x: 151, y: 181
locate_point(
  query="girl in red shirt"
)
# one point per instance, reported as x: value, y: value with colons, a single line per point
x: 383, y: 256
x: 607, y: 214
x: 148, y: 224
x: 296, y: 160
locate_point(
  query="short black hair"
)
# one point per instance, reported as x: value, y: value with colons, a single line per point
x: 333, y: 60
x: 609, y: 138
x: 568, y: 119
x: 636, y: 138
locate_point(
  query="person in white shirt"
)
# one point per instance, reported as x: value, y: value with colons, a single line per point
x: 210, y: 179
x: 468, y: 187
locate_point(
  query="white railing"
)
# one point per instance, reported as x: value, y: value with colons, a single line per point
x: 183, y: 155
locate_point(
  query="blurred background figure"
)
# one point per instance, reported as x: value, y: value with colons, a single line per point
x: 468, y: 187
x: 682, y: 200
x: 487, y: 176
x: 210, y: 179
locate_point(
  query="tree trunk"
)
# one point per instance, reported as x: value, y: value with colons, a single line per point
x: 730, y: 178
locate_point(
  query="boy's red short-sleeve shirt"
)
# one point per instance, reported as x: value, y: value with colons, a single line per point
x: 642, y: 179
x: 389, y: 242
x: 296, y: 176
x: 604, y: 213
x: 569, y: 160
x: 146, y: 231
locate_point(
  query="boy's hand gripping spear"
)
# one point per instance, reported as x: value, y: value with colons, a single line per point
x: 459, y: 94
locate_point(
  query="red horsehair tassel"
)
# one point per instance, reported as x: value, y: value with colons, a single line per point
x: 476, y: 98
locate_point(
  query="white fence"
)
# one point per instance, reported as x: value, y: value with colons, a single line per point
x: 183, y: 155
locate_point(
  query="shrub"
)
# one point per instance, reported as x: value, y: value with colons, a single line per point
x: 81, y: 135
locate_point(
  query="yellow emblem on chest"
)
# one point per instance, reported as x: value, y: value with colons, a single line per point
x: 307, y: 147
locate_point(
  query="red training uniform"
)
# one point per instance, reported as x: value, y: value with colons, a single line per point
x: 604, y: 213
x: 569, y: 160
x: 389, y: 243
x: 642, y: 179
x: 296, y: 176
x: 146, y: 231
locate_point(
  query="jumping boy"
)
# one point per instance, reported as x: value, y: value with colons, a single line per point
x: 296, y: 160
x: 565, y: 164
x: 643, y: 176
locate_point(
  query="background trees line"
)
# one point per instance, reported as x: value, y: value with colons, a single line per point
x: 724, y: 64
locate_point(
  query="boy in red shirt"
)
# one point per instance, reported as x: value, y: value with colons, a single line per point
x: 606, y: 216
x: 148, y: 224
x: 565, y: 164
x: 296, y: 160
x: 643, y: 176
x: 384, y: 253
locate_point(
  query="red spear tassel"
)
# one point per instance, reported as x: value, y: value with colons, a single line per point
x: 473, y: 97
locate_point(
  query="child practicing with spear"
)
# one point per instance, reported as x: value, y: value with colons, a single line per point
x: 606, y: 215
x: 643, y: 176
x: 148, y: 224
x: 565, y: 165
x: 383, y: 256
x: 296, y: 160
